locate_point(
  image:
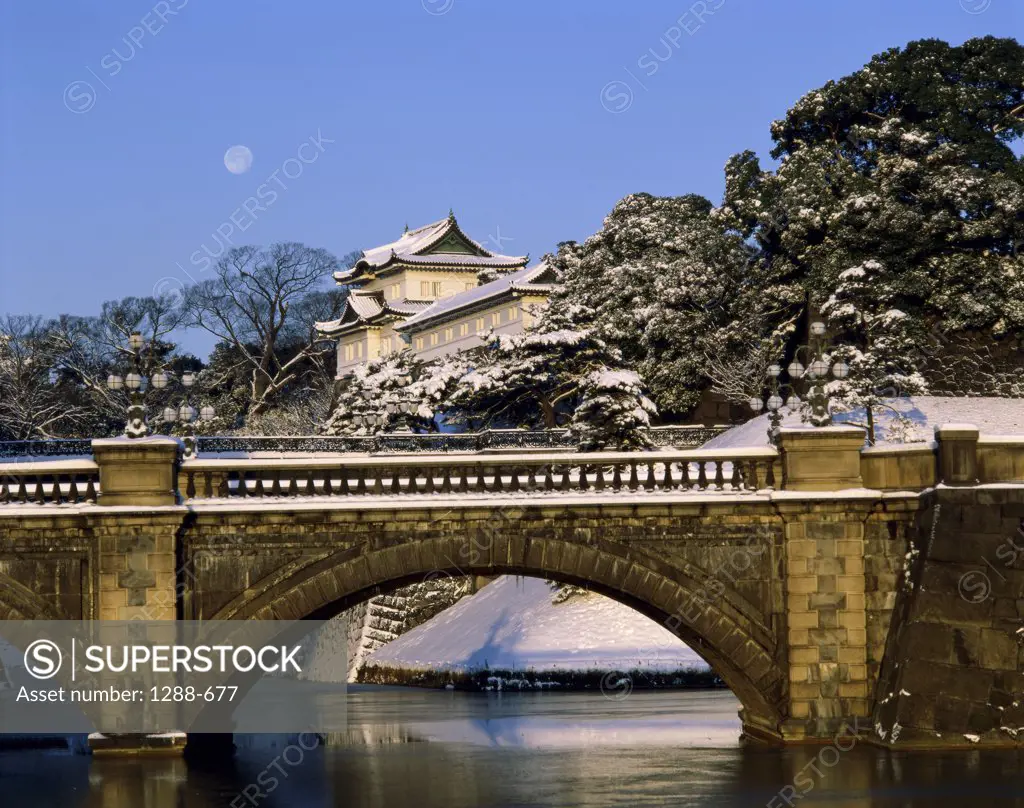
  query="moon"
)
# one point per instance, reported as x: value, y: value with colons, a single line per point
x: 238, y: 159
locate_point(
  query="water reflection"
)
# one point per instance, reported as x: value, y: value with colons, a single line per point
x: 426, y: 749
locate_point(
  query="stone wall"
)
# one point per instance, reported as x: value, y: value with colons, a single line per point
x: 954, y: 665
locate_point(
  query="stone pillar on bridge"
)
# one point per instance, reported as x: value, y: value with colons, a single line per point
x: 825, y: 582
x: 137, y: 551
x: 958, y: 453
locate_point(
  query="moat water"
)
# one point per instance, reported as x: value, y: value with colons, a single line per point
x: 434, y: 748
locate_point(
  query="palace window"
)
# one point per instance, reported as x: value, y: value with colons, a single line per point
x: 448, y: 333
x: 396, y: 290
x: 436, y: 288
x: 419, y: 343
x: 513, y: 313
x: 385, y: 346
x: 469, y: 286
x: 359, y: 350
x: 479, y: 324
x: 433, y: 338
x: 463, y: 329
x: 424, y: 289
x: 495, y: 319
x: 349, y: 352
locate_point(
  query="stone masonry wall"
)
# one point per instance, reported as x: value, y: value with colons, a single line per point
x: 954, y: 666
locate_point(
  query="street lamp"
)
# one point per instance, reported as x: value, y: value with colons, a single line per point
x: 815, y: 373
x: 136, y: 427
x: 186, y: 413
x: 774, y: 402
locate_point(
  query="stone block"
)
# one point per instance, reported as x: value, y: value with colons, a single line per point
x: 852, y: 619
x: 133, y: 579
x: 803, y: 655
x: 798, y: 620
x: 998, y: 650
x: 855, y: 654
x: 802, y: 584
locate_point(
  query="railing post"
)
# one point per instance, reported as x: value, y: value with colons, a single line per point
x: 957, y: 453
x: 821, y: 458
x: 137, y: 471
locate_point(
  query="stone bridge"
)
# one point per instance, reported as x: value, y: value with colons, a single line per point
x: 824, y: 582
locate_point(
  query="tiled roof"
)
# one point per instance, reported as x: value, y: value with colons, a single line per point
x: 366, y: 308
x: 413, y: 245
x: 539, y: 279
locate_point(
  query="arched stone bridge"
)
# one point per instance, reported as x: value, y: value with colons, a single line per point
x: 825, y: 583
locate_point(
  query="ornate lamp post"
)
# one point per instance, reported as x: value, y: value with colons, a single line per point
x: 136, y: 427
x: 775, y: 401
x: 185, y: 412
x: 816, y: 373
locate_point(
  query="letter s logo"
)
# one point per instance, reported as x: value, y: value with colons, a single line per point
x: 43, y: 659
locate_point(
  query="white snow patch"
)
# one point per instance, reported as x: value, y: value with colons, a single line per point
x: 993, y: 416
x: 511, y: 624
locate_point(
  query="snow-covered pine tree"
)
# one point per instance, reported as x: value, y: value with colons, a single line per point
x: 378, y: 388
x: 875, y: 339
x: 613, y: 411
x: 658, y: 284
x: 909, y: 162
x: 551, y: 373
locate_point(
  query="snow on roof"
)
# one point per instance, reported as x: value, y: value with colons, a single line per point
x: 993, y: 416
x: 365, y: 307
x: 414, y: 245
x: 523, y: 280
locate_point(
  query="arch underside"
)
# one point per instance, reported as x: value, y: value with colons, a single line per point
x: 739, y: 649
x: 18, y: 602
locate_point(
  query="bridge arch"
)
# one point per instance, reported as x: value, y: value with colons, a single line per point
x: 724, y: 630
x: 18, y: 602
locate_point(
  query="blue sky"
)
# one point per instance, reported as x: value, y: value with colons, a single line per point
x: 529, y: 118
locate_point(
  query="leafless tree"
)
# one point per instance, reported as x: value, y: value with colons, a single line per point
x: 88, y: 349
x: 264, y: 303
x: 740, y: 375
x: 31, y: 404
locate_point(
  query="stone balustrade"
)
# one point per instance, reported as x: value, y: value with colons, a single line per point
x: 50, y: 482
x: 151, y: 471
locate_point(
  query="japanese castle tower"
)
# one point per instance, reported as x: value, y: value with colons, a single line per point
x: 422, y: 292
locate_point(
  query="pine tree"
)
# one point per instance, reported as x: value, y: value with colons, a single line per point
x: 875, y: 339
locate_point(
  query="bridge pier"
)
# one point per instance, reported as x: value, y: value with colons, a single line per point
x: 138, y: 541
x: 826, y: 624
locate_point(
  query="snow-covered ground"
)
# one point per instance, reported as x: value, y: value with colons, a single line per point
x: 920, y: 416
x: 512, y: 624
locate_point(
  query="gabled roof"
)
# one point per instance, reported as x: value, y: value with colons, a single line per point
x: 537, y: 280
x: 368, y: 308
x: 441, y: 243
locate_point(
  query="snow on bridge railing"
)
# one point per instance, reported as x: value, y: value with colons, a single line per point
x: 49, y: 482
x: 488, y: 440
x: 747, y: 469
